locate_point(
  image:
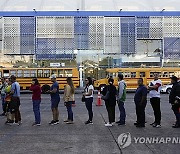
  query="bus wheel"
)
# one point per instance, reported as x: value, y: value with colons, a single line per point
x: 45, y: 88
x: 168, y: 90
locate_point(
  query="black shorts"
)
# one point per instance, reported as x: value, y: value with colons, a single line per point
x: 14, y: 104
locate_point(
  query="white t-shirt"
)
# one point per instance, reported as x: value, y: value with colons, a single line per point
x: 87, y: 91
x: 155, y: 92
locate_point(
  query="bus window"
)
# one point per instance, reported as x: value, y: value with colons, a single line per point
x: 27, y: 73
x: 133, y: 74
x: 114, y: 75
x: 60, y: 73
x: 165, y: 74
x: 40, y: 73
x: 152, y: 74
x: 68, y: 73
x: 127, y: 74
x: 142, y: 74
x: 5, y: 73
x: 33, y: 73
x: 19, y: 73
x: 46, y: 73
x: 54, y: 72
x: 171, y: 74
x: 13, y: 72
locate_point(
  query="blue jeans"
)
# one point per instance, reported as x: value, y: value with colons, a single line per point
x: 88, y: 102
x: 3, y: 102
x: 69, y: 110
x: 36, y: 110
x: 122, y: 112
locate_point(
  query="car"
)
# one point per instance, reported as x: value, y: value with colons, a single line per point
x: 166, y: 88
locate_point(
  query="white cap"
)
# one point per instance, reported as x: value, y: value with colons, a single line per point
x: 53, y: 76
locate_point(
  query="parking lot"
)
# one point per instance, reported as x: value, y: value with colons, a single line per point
x: 85, y: 139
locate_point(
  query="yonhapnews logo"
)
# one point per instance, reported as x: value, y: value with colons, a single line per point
x: 125, y: 140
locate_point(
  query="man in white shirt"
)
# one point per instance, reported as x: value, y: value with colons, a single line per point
x: 121, y: 99
x: 155, y: 88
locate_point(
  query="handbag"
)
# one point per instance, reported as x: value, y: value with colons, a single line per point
x: 106, y: 97
x: 177, y: 100
x: 83, y: 98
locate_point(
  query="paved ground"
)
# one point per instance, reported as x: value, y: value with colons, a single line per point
x: 80, y: 138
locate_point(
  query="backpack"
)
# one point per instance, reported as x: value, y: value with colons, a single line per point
x: 123, y: 97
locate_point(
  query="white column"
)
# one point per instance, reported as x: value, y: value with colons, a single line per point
x: 81, y: 75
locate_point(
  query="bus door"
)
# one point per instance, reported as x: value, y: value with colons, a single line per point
x: 144, y: 76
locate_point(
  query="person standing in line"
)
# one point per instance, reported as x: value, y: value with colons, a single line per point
x: 121, y: 99
x: 88, y: 94
x: 36, y: 99
x: 140, y: 100
x: 110, y: 102
x: 174, y: 100
x: 154, y: 93
x: 69, y: 99
x: 15, y: 101
x: 8, y: 100
x: 3, y: 94
x: 55, y: 99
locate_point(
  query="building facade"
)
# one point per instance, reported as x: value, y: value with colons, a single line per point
x: 126, y: 36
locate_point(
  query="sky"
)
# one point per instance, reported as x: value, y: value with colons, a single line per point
x: 89, y: 5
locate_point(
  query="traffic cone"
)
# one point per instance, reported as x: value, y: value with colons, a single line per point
x: 99, y: 102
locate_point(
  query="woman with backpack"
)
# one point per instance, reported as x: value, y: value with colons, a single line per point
x: 109, y: 96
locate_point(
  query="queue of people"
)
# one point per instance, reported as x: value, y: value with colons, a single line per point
x: 10, y: 96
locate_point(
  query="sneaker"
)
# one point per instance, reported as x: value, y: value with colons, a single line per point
x: 10, y: 122
x: 176, y: 126
x: 113, y: 123
x: 157, y: 126
x: 117, y: 122
x: 3, y: 114
x: 16, y: 123
x: 36, y: 124
x: 66, y: 120
x: 121, y: 124
x: 88, y: 122
x: 108, y: 125
x: 70, y: 122
x: 56, y: 122
x: 52, y: 122
x: 140, y: 126
x: 135, y: 123
x: 152, y: 123
x: 19, y: 122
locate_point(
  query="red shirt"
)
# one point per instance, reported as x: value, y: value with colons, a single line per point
x: 36, y: 89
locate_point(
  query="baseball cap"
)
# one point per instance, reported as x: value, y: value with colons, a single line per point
x: 174, y: 78
x: 53, y: 76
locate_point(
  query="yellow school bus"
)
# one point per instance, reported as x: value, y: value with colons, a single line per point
x: 24, y: 75
x: 132, y: 74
